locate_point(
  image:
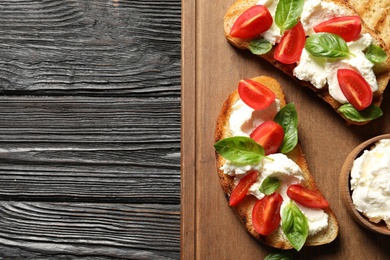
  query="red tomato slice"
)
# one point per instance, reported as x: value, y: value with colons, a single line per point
x: 242, y: 188
x: 306, y: 197
x: 355, y: 88
x: 255, y: 94
x: 269, y: 135
x: 290, y: 47
x: 347, y: 27
x: 252, y: 22
x: 266, y: 214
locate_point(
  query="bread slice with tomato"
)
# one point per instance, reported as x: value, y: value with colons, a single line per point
x: 376, y: 15
x: 335, y: 54
x: 265, y: 148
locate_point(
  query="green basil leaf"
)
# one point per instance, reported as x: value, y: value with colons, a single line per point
x: 370, y: 113
x: 287, y: 117
x: 240, y: 150
x: 287, y: 13
x: 375, y: 54
x: 260, y: 46
x: 295, y: 225
x: 327, y: 45
x: 269, y: 185
x: 279, y: 256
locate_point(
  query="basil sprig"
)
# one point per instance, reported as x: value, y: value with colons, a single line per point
x: 370, y: 113
x: 287, y: 13
x: 327, y: 45
x: 287, y: 117
x: 260, y: 46
x: 295, y: 225
x: 279, y: 256
x: 240, y: 150
x: 375, y: 54
x: 269, y: 185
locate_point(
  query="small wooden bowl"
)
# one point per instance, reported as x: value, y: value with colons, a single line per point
x: 345, y: 188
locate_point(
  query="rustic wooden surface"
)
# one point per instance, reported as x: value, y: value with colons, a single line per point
x: 212, y: 69
x: 90, y: 129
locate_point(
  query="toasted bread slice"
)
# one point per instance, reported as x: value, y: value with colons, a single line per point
x: 381, y: 70
x: 376, y: 14
x: 244, y: 209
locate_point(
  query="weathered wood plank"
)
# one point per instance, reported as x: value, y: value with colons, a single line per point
x: 324, y: 137
x: 111, y: 149
x: 188, y: 136
x: 90, y: 113
x: 129, y: 231
x: 90, y: 47
x: 90, y: 119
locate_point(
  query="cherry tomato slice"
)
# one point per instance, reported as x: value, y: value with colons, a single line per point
x: 306, y: 197
x: 242, y: 188
x: 255, y: 94
x: 347, y: 27
x: 355, y: 88
x: 290, y: 47
x: 252, y: 22
x: 269, y: 135
x: 266, y: 214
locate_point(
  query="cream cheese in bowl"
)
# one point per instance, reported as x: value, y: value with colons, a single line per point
x: 370, y: 182
x: 365, y: 184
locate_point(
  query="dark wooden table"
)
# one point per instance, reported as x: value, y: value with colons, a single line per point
x: 90, y: 129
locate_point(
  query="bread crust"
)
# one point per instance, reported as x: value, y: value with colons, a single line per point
x: 376, y: 14
x: 382, y: 70
x: 244, y: 209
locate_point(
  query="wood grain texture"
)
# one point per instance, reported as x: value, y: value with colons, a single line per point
x: 188, y: 133
x: 90, y: 129
x: 110, y: 149
x: 376, y: 14
x: 90, y: 47
x: 91, y: 229
x: 325, y: 139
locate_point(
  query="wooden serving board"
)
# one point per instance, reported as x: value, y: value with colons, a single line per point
x: 211, y: 69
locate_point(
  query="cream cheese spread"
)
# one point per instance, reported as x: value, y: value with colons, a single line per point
x: 317, y: 218
x: 243, y: 120
x: 322, y: 71
x: 288, y: 173
x: 232, y: 169
x: 370, y: 182
x: 319, y: 71
x: 273, y: 34
x: 317, y: 11
x: 281, y: 167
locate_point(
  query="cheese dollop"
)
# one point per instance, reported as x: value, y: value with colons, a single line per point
x: 317, y: 11
x: 273, y: 34
x: 288, y: 172
x: 370, y: 182
x: 243, y: 120
x: 281, y: 167
x: 237, y: 170
x: 321, y: 71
